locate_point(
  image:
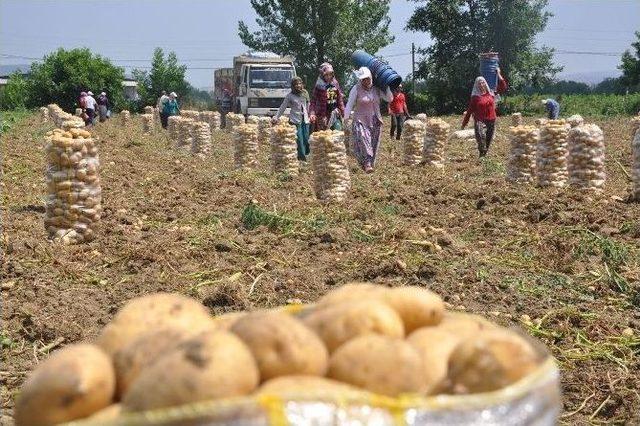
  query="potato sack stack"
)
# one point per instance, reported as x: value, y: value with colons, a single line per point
x: 233, y: 120
x: 575, y: 120
x: 44, y: 114
x: 412, y: 141
x: 192, y: 114
x: 253, y: 119
x: 283, y: 120
x: 521, y: 165
x: 72, y: 122
x: 516, y: 119
x: 330, y: 167
x: 125, y: 117
x: 74, y: 197
x: 586, y: 158
x: 551, y: 154
x: 173, y: 128
x: 635, y: 173
x: 435, y: 139
x: 212, y: 118
x: 185, y: 137
x: 245, y: 145
x: 422, y: 117
x: 284, y: 150
x: 147, y: 123
x: 541, y: 122
x: 635, y: 125
x: 156, y: 114
x: 348, y: 136
x: 56, y: 113
x: 264, y: 130
x: 201, y: 140
x: 148, y: 110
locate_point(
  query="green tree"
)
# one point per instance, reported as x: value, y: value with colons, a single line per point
x: 165, y: 74
x: 15, y: 94
x: 314, y: 32
x: 461, y: 29
x: 630, y: 66
x: 63, y: 74
x: 610, y: 86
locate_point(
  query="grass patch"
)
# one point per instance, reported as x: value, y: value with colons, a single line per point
x: 9, y: 119
x: 492, y: 167
x: 391, y: 210
x: 254, y: 216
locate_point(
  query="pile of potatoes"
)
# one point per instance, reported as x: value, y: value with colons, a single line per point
x: 635, y: 173
x: 173, y: 128
x: 59, y: 117
x: 185, y: 136
x: 435, y: 139
x: 586, y: 158
x: 264, y: 130
x: 125, y: 117
x: 635, y: 124
x: 348, y: 136
x: 245, y: 145
x: 190, y: 113
x: 233, y: 120
x: 78, y: 112
x: 521, y: 165
x: 331, y: 179
x: 212, y: 118
x: 147, y: 123
x: 148, y: 110
x: 253, y: 119
x: 164, y: 350
x: 201, y: 140
x: 44, y: 114
x: 412, y: 139
x: 551, y: 154
x: 516, y: 119
x: 73, y: 204
x: 422, y: 117
x: 575, y: 120
x: 284, y: 149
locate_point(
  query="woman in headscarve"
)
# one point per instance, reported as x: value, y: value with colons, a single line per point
x: 364, y: 101
x: 327, y: 101
x: 482, y: 106
x: 298, y: 101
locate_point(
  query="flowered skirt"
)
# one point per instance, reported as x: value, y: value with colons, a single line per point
x: 366, y: 140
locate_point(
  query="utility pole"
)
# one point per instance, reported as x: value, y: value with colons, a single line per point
x: 413, y: 68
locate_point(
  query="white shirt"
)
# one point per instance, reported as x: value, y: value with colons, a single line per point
x: 90, y: 102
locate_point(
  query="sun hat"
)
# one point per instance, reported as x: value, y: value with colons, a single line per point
x: 173, y: 94
x: 362, y: 73
x: 103, y: 94
x: 90, y: 93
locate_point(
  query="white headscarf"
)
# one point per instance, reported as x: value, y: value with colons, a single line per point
x: 476, y: 91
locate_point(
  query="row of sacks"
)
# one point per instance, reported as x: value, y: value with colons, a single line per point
x: 424, y: 141
x: 59, y: 117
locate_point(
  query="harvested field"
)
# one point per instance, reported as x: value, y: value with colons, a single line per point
x: 561, y: 265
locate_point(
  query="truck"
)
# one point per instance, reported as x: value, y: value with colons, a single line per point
x: 257, y: 83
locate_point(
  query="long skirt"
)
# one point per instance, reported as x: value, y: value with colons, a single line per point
x: 366, y: 140
x: 102, y: 113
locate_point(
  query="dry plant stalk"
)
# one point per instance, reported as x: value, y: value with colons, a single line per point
x: 635, y: 173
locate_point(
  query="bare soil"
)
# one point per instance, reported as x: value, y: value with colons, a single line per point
x: 563, y: 266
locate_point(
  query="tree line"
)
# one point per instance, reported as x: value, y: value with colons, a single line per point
x: 314, y: 32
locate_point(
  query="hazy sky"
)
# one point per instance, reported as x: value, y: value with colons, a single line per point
x: 204, y: 32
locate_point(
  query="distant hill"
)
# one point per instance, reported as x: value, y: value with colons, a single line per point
x: 589, y: 77
x: 10, y: 69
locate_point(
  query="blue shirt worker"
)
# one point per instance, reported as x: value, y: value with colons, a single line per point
x: 553, y: 108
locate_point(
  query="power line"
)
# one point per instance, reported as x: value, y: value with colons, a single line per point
x: 574, y: 52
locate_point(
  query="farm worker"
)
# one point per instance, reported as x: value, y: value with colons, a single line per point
x: 160, y: 106
x: 90, y: 105
x: 364, y: 101
x: 103, y: 106
x: 298, y: 101
x: 398, y: 112
x: 327, y: 101
x: 553, y: 108
x: 482, y: 106
x: 171, y: 106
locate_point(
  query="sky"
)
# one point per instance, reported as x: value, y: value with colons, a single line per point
x: 589, y: 35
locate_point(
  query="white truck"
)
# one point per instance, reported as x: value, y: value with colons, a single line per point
x: 258, y: 82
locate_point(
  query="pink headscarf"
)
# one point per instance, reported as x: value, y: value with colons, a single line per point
x: 326, y: 67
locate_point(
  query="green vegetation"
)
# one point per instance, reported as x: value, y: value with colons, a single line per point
x: 587, y: 105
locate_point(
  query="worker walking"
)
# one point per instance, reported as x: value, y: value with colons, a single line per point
x: 364, y: 101
x: 398, y: 112
x: 482, y: 106
x: 298, y: 101
x: 553, y: 108
x: 327, y: 103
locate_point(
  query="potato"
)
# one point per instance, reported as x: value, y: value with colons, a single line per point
x: 142, y: 353
x: 150, y: 312
x: 72, y: 383
x: 335, y: 324
x: 489, y: 361
x: 282, y: 345
x: 418, y: 307
x: 353, y: 291
x: 464, y: 324
x: 435, y: 347
x: 112, y: 412
x: 207, y: 366
x: 380, y: 364
x: 292, y: 385
x: 226, y: 321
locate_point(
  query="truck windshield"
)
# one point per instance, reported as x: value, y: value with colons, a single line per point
x: 270, y: 78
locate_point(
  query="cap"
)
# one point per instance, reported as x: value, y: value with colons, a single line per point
x: 90, y: 93
x: 173, y: 94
